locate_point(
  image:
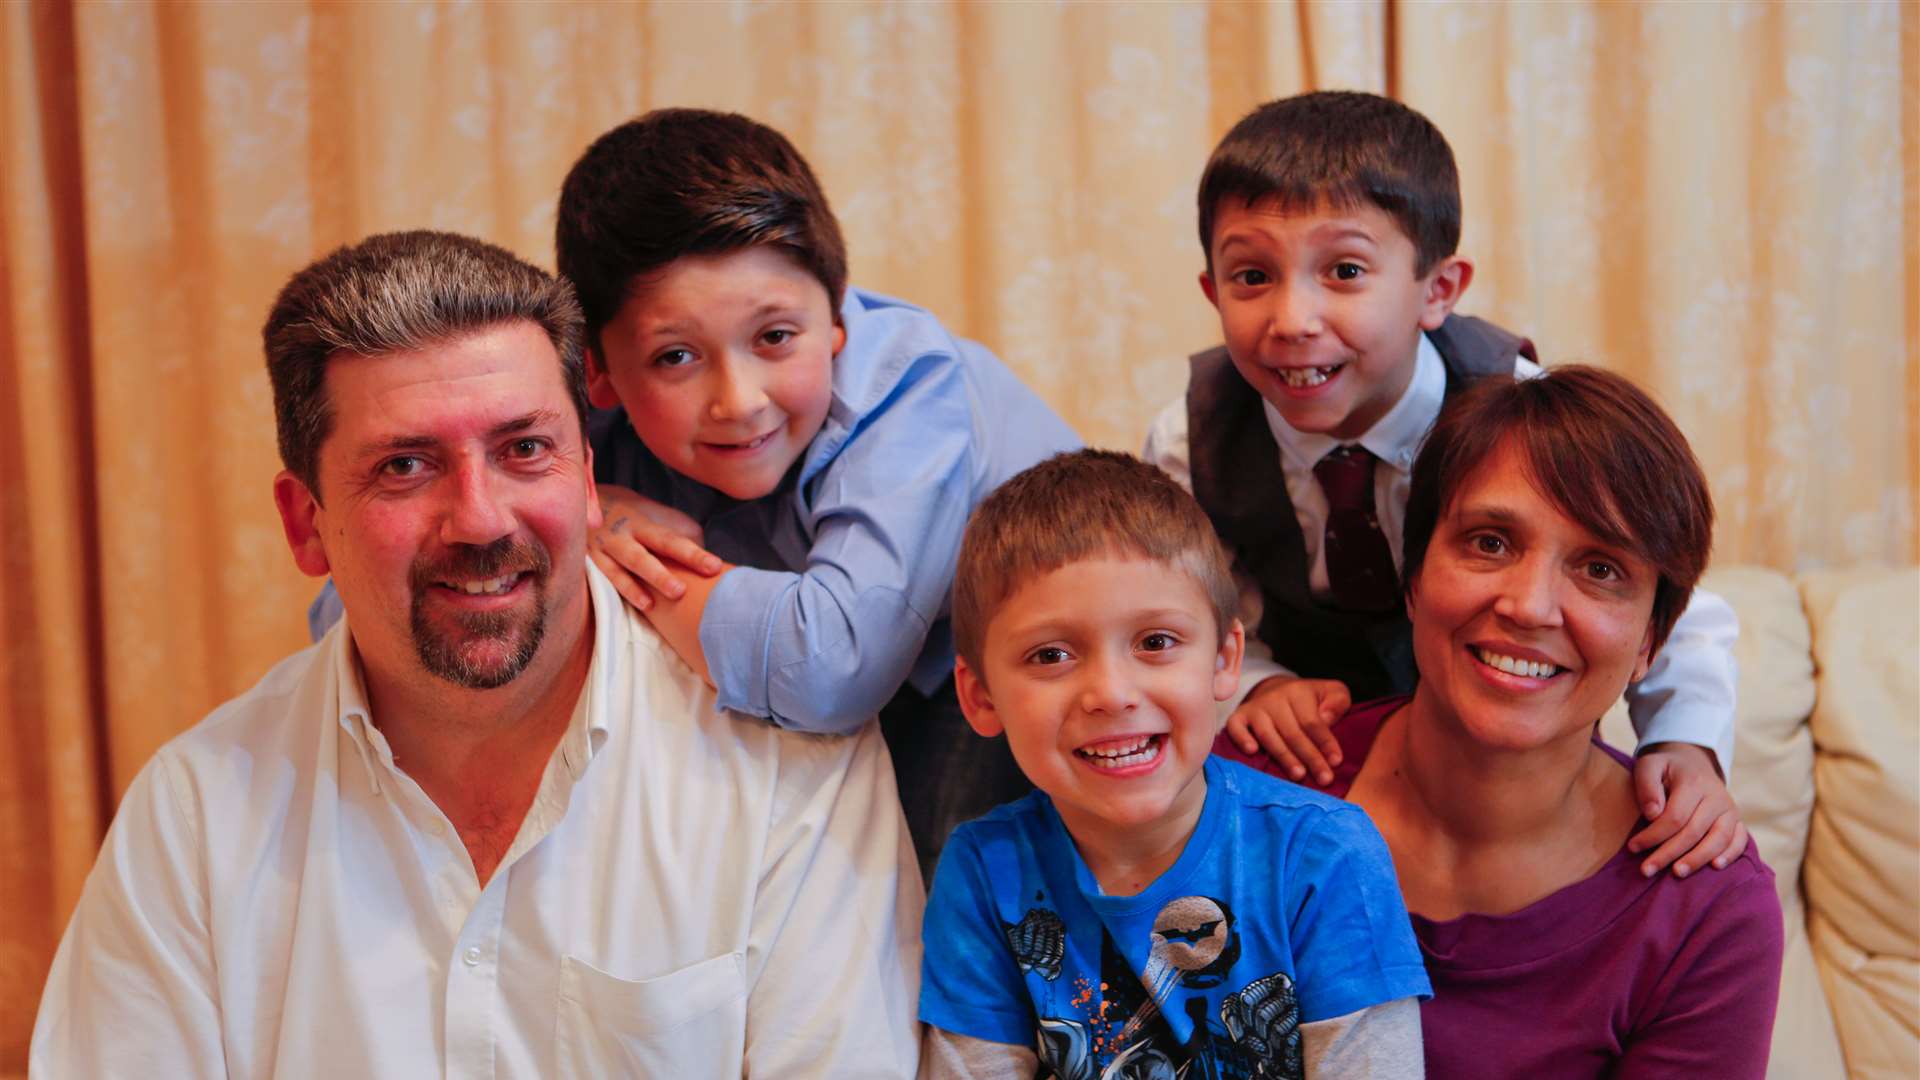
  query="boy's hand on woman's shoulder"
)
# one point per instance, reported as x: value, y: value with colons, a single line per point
x: 1693, y: 819
x: 1292, y: 720
x: 639, y: 539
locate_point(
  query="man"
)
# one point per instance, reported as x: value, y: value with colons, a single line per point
x: 489, y: 826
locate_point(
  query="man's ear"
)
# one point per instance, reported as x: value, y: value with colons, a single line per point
x: 595, y: 517
x: 975, y: 702
x: 1211, y: 290
x: 600, y: 391
x: 299, y: 519
x: 1226, y: 666
x: 1446, y: 283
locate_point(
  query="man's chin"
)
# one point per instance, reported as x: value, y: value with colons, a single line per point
x: 478, y: 653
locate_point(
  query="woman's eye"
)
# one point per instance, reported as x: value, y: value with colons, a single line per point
x: 1158, y: 641
x: 1488, y: 544
x: 1348, y: 271
x: 1049, y: 655
x: 1603, y: 571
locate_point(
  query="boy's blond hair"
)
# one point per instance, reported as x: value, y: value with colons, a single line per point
x: 1081, y: 505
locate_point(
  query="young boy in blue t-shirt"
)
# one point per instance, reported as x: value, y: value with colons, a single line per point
x: 1150, y: 910
x: 1330, y: 223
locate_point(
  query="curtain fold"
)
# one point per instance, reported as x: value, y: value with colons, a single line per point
x: 1718, y: 200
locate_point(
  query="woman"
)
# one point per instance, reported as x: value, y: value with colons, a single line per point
x: 1554, y: 530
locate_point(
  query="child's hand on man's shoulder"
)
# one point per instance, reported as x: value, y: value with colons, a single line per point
x: 1292, y: 720
x: 642, y: 542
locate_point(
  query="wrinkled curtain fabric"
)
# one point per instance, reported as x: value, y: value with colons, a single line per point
x: 1716, y: 199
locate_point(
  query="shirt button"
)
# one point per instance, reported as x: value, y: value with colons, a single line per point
x: 472, y: 956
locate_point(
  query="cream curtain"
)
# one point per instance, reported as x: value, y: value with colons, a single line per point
x: 1718, y: 199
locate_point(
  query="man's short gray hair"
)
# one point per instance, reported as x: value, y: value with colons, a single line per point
x: 396, y: 292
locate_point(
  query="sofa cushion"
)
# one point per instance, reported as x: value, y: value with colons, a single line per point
x: 1863, y: 853
x: 1773, y: 786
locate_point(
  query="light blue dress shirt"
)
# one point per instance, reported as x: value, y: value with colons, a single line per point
x: 844, y: 571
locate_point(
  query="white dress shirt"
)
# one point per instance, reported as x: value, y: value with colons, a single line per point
x: 691, y: 894
x: 1688, y: 694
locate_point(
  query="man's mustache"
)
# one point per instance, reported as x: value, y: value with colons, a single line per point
x: 465, y: 562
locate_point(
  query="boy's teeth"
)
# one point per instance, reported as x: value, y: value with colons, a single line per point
x: 490, y: 586
x: 1301, y: 378
x: 1526, y: 668
x: 1124, y: 752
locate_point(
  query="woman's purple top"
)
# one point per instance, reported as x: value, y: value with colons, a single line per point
x: 1617, y: 975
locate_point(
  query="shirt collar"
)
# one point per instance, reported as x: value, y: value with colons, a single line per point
x: 586, y: 732
x: 1394, y: 438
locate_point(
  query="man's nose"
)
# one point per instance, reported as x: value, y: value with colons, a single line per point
x: 476, y: 512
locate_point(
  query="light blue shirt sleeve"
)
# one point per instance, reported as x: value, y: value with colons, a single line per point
x: 1688, y: 694
x: 324, y: 611
x: 823, y: 649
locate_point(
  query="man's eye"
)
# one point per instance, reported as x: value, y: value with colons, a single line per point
x: 1348, y: 271
x: 1158, y: 641
x: 1049, y: 655
x: 402, y: 467
x: 526, y: 448
x: 1251, y: 278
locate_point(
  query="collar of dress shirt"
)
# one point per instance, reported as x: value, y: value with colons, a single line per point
x: 586, y: 731
x: 885, y: 338
x: 1394, y: 438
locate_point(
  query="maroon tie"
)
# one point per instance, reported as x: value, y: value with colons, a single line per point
x: 1359, y: 563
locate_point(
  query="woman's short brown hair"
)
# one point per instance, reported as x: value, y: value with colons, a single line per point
x: 1599, y: 449
x: 1074, y: 506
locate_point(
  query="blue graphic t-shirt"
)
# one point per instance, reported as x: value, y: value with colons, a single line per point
x: 1282, y: 910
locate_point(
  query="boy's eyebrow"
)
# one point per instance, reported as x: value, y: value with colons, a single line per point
x: 1343, y: 230
x: 682, y: 326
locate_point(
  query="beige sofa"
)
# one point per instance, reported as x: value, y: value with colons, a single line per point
x: 1827, y: 775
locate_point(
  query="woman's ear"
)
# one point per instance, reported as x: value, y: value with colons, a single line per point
x: 1645, y: 660
x: 975, y: 701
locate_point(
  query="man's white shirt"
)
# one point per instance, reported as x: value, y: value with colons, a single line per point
x: 692, y: 893
x: 1688, y: 693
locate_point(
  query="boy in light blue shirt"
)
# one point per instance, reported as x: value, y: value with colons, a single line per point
x: 792, y: 460
x: 1150, y: 910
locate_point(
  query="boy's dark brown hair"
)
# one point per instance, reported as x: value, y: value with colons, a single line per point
x: 1344, y: 149
x: 1081, y: 505
x: 1599, y: 449
x: 688, y: 182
